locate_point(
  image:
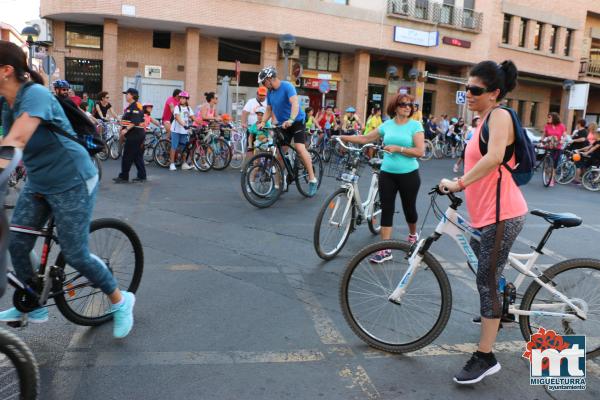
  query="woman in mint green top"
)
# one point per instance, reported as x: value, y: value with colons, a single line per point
x: 404, y: 142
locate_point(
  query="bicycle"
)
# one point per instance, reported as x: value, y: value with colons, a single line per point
x: 566, y: 169
x: 428, y: 154
x: 151, y: 140
x: 344, y: 208
x: 263, y: 178
x: 194, y: 152
x: 238, y: 145
x: 404, y: 304
x: 438, y: 144
x: 19, y: 374
x: 218, y: 151
x: 591, y: 179
x: 110, y: 134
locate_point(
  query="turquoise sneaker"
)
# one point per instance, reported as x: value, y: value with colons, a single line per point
x: 123, y: 316
x: 38, y: 316
x: 312, y: 187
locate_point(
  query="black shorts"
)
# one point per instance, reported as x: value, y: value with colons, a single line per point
x: 296, y: 131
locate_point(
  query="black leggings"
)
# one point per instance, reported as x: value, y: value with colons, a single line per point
x: 408, y: 186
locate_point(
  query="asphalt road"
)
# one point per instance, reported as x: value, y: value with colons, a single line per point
x: 235, y: 304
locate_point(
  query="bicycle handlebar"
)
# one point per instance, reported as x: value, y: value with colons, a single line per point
x: 456, y: 201
x: 366, y: 146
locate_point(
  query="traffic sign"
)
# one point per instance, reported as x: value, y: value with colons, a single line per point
x: 49, y: 65
x: 324, y: 86
x: 461, y: 97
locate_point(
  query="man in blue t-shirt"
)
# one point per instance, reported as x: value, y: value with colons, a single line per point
x: 283, y: 105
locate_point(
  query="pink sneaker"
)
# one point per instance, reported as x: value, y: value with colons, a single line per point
x: 412, y: 239
x: 552, y: 182
x: 381, y: 257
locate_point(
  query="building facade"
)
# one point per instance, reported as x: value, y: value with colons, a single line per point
x: 366, y: 50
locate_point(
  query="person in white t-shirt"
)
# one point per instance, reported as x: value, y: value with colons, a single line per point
x: 249, y: 112
x: 183, y: 116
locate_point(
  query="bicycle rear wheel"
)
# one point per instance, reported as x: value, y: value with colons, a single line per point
x: 302, y: 173
x: 200, y: 157
x: 591, y: 179
x: 162, y: 153
x: 565, y: 172
x: 579, y: 280
x: 547, y: 170
x: 149, y: 143
x: 19, y: 374
x: 387, y: 326
x: 333, y: 224
x: 119, y: 247
x: 438, y: 149
x: 262, y: 180
x: 238, y: 154
x: 115, y: 149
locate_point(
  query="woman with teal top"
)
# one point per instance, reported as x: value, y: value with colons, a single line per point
x: 404, y: 142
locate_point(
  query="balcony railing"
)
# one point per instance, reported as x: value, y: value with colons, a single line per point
x: 437, y: 13
x: 590, y: 68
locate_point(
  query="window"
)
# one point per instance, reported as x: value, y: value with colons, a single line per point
x: 506, y: 28
x: 533, y: 115
x: 82, y: 35
x: 321, y: 60
x: 246, y: 78
x: 421, y: 8
x: 469, y: 4
x: 161, y: 40
x: 522, y: 32
x: 447, y: 11
x: 568, y: 42
x: 377, y: 68
x: 469, y: 14
x: 239, y: 50
x: 537, y: 41
x: 553, y: 32
x: 84, y: 75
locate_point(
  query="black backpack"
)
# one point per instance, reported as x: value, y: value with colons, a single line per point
x: 87, y: 136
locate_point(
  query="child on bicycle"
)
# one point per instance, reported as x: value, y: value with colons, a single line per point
x: 260, y: 137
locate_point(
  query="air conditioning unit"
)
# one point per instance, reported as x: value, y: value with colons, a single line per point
x: 45, y: 28
x: 295, y: 54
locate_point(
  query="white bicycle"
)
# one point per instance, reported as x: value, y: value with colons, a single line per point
x: 344, y: 208
x: 238, y: 145
x: 404, y: 304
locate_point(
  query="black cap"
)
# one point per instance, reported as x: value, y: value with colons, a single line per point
x: 132, y: 92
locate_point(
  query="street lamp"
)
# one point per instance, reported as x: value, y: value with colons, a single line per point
x: 31, y: 33
x: 287, y: 42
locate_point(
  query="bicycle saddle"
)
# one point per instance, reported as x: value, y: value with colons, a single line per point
x: 560, y: 220
x: 375, y: 162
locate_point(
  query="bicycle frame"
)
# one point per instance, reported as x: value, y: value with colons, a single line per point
x: 454, y: 225
x: 365, y: 209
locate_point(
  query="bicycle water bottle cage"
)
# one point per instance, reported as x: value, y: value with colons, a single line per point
x: 559, y: 220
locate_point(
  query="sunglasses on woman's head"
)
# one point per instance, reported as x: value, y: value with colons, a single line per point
x: 403, y: 104
x: 475, y: 90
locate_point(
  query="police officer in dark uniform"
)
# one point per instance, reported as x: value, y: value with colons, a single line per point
x: 133, y: 131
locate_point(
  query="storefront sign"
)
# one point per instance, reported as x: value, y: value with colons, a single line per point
x: 128, y: 10
x: 324, y: 76
x: 456, y: 42
x: 416, y: 37
x: 310, y: 83
x: 153, y: 71
x: 578, y: 96
x: 376, y: 97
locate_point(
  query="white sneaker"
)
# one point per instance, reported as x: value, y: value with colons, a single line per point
x: 455, y: 169
x: 186, y: 167
x: 172, y: 167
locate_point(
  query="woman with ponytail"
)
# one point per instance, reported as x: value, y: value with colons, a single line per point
x: 494, y: 202
x: 61, y: 180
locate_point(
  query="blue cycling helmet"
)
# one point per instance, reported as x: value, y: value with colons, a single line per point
x: 454, y: 120
x: 350, y: 110
x: 61, y: 84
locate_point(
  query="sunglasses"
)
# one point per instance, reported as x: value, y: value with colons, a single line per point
x: 403, y: 104
x: 475, y: 90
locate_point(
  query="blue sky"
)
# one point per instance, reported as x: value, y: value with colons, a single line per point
x: 16, y: 12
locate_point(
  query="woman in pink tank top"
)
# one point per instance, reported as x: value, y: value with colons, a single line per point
x: 499, y: 219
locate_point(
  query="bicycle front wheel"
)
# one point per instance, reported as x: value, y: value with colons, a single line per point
x: 262, y: 180
x: 200, y: 157
x: 428, y: 150
x: 220, y: 157
x: 302, y: 173
x: 162, y: 153
x: 578, y: 280
x: 366, y: 287
x: 114, y: 149
x: 565, y: 172
x: 547, y: 170
x: 591, y: 179
x: 334, y: 224
x: 119, y: 247
x: 19, y: 374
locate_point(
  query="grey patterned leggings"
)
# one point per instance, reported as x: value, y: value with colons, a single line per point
x: 488, y: 275
x: 72, y: 211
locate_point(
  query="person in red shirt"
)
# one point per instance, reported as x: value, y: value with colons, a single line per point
x: 326, y: 122
x: 554, y: 132
x: 170, y: 105
x: 74, y: 98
